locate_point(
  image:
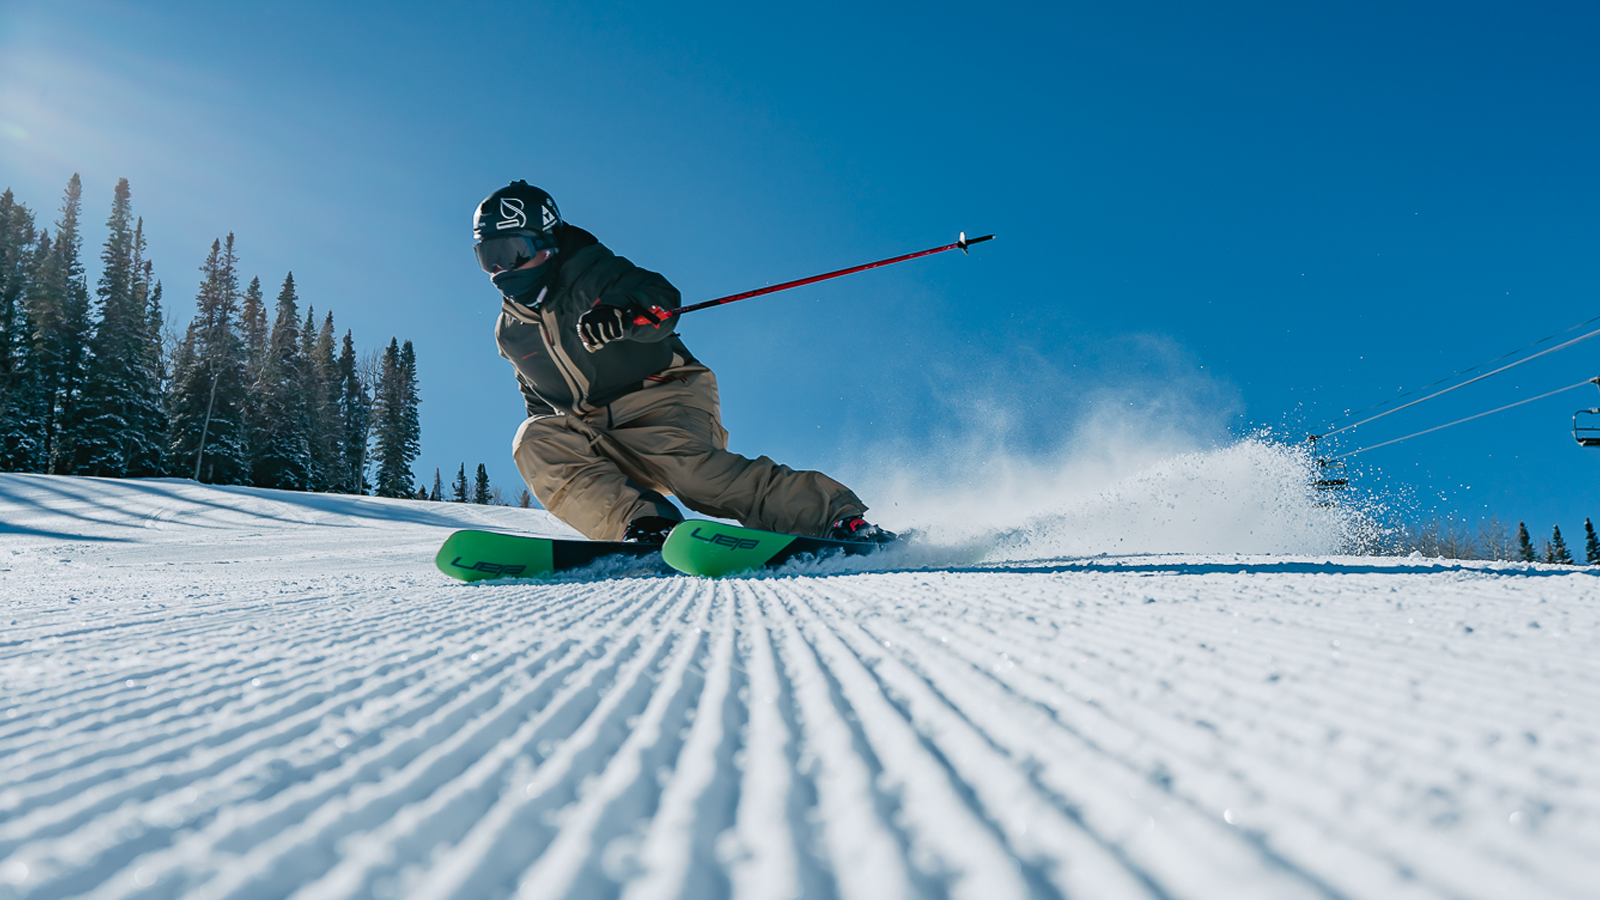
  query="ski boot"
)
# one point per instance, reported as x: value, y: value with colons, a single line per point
x: 859, y: 530
x: 649, y: 530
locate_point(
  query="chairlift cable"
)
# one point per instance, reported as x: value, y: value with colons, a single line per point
x: 1461, y: 385
x: 1468, y: 418
x: 1457, y: 375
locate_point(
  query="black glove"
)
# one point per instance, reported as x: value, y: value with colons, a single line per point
x: 600, y: 326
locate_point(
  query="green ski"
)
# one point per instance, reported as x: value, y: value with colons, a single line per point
x: 712, y: 549
x: 476, y: 555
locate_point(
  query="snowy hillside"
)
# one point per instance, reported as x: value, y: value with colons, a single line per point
x: 233, y: 693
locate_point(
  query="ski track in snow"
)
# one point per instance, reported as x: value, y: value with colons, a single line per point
x: 227, y: 693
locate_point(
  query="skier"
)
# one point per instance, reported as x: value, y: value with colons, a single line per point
x: 620, y: 414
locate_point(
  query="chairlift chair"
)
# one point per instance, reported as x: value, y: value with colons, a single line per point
x: 1587, y: 431
x: 1333, y: 476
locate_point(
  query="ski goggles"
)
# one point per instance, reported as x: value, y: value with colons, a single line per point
x: 507, y: 252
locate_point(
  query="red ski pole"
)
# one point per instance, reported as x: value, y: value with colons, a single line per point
x: 657, y: 315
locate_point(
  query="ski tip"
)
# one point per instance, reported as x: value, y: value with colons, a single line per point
x: 715, y: 549
x: 472, y: 555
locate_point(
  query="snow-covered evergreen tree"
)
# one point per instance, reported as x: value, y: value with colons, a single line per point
x: 410, y: 419
x: 21, y: 407
x: 411, y: 399
x: 208, y: 435
x: 147, y: 456
x: 308, y: 391
x: 1524, y: 543
x: 254, y: 328
x: 324, y: 425
x: 1591, y: 544
x: 117, y: 420
x: 480, y: 486
x: 355, y: 412
x: 398, y: 436
x: 99, y: 424
x: 1557, y: 551
x: 162, y: 349
x: 281, y: 456
x: 58, y: 311
x: 458, y: 488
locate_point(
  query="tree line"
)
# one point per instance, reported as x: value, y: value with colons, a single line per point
x: 1493, y: 540
x: 1555, y: 550
x: 479, y: 491
x: 97, y: 385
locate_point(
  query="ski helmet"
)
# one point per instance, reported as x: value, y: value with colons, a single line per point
x: 518, y: 208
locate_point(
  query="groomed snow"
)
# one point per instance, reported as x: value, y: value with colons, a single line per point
x: 233, y: 693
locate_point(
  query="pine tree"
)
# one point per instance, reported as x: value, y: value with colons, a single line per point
x: 147, y: 457
x: 160, y: 362
x: 208, y: 434
x: 1591, y: 544
x: 255, y: 330
x: 76, y: 330
x: 411, y: 399
x: 320, y: 375
x: 1557, y: 552
x: 480, y: 486
x: 116, y: 420
x: 308, y: 333
x: 281, y: 456
x: 253, y: 327
x: 385, y: 405
x: 58, y: 309
x: 325, y: 423
x: 1524, y: 543
x: 182, y: 359
x: 355, y: 414
x: 45, y: 301
x: 438, y: 487
x: 395, y: 414
x: 98, y: 422
x: 38, y: 392
x: 21, y: 431
x: 459, y: 486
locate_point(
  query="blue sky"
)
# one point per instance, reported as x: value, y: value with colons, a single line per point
x: 1212, y: 218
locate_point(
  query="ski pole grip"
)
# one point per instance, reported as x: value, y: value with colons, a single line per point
x: 653, y: 316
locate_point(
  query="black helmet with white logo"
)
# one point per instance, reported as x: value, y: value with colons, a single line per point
x: 512, y: 226
x: 519, y: 207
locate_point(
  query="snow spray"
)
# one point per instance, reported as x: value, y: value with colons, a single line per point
x: 1252, y: 496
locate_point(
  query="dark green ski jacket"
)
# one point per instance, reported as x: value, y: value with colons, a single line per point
x: 554, y: 370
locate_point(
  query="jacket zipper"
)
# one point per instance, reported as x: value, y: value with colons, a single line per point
x: 569, y: 371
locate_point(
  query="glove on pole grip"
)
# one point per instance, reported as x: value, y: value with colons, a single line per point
x: 654, y: 316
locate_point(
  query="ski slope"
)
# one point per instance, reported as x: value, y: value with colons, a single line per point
x: 234, y: 693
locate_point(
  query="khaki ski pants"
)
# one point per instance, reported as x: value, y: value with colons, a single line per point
x: 598, y: 472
